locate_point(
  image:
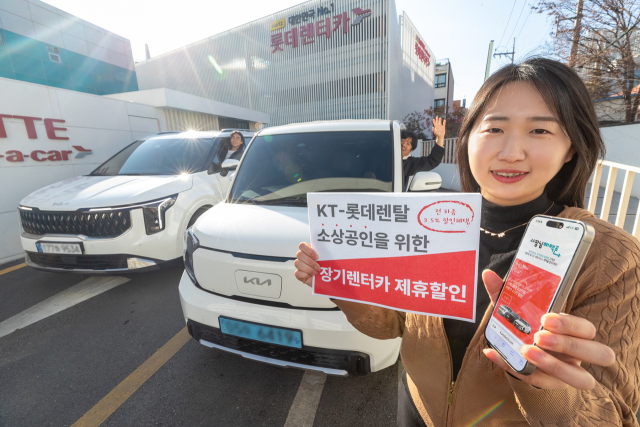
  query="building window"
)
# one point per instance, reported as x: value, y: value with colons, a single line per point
x: 438, y: 103
x: 441, y: 80
x: 230, y: 123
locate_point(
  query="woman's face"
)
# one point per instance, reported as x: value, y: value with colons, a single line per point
x: 517, y: 146
x: 236, y: 141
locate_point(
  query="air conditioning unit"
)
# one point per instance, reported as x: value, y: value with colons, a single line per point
x: 55, y: 58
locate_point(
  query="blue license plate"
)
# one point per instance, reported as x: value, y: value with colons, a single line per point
x: 263, y: 333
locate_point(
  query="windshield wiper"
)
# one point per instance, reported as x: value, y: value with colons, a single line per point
x: 284, y: 201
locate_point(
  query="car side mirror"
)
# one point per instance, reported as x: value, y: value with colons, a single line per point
x: 425, y: 181
x: 228, y: 166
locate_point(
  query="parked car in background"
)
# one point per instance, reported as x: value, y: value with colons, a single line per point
x: 130, y: 213
x: 239, y: 293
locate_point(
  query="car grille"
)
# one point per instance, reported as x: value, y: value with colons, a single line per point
x: 79, y: 262
x: 355, y: 363
x: 92, y: 224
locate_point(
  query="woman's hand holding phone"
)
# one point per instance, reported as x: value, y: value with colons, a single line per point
x: 306, y: 265
x: 567, y: 342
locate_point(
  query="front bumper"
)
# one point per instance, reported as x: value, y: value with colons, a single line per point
x: 330, y: 343
x: 90, y: 264
x: 133, y: 251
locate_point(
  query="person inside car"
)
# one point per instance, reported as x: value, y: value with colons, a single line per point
x: 412, y: 165
x: 234, y: 148
x: 528, y: 144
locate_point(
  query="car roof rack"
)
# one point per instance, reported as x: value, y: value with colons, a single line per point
x: 164, y: 132
x: 244, y: 130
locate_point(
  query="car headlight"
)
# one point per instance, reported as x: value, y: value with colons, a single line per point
x: 154, y: 214
x: 192, y: 243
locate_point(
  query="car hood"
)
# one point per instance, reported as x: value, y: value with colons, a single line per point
x: 258, y: 230
x: 105, y: 191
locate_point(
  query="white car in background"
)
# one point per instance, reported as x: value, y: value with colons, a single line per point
x: 131, y: 213
x: 239, y: 293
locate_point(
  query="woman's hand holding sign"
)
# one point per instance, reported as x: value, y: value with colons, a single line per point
x: 306, y: 265
x: 568, y: 341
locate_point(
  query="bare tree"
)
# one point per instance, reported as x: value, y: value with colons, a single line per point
x: 416, y: 123
x: 601, y: 40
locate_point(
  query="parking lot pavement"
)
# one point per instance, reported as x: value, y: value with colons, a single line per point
x: 54, y: 371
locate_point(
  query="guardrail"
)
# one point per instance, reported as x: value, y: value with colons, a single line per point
x: 625, y: 195
x: 450, y: 146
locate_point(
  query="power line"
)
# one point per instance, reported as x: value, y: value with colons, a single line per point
x: 523, y: 25
x: 519, y: 16
x: 508, y: 20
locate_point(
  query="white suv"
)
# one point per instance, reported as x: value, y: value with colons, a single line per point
x: 239, y: 293
x: 130, y: 214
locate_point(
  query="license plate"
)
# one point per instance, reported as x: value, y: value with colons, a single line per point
x: 59, y: 248
x: 263, y: 333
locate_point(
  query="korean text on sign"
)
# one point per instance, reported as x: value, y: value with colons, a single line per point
x: 409, y: 252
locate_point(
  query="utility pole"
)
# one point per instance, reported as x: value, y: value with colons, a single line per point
x: 512, y: 53
x: 486, y: 71
x: 577, y: 26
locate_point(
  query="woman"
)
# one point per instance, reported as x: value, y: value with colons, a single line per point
x: 528, y: 144
x: 234, y: 148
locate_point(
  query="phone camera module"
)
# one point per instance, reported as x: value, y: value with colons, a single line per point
x: 555, y: 224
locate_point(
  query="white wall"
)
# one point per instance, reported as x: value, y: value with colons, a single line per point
x: 416, y: 79
x: 93, y: 122
x: 171, y: 98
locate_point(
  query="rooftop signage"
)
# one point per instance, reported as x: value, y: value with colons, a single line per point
x: 276, y: 25
x: 422, y: 52
x: 307, y: 33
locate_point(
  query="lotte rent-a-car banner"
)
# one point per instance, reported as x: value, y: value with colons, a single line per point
x: 409, y: 252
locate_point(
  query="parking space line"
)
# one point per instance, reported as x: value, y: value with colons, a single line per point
x: 112, y: 401
x: 14, y: 268
x: 305, y: 404
x: 84, y: 290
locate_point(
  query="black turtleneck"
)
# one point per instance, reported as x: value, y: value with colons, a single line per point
x: 496, y: 253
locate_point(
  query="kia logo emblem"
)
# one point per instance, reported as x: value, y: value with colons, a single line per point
x: 256, y: 281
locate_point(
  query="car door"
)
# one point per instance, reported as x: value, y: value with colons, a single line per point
x: 219, y: 178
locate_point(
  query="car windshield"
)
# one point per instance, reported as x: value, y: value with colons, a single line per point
x: 282, y: 169
x: 158, y: 156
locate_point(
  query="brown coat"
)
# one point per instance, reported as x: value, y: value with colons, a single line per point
x: 606, y: 292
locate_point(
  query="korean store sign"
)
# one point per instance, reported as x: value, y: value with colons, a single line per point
x: 421, y: 52
x: 408, y: 252
x: 326, y: 27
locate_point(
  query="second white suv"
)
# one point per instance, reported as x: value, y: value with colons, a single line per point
x: 130, y: 214
x: 239, y: 293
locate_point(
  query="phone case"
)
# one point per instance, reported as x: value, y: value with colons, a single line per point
x: 567, y: 282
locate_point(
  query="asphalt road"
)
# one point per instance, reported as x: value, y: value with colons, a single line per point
x: 54, y: 371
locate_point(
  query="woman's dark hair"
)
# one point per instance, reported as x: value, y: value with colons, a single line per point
x: 236, y: 133
x: 566, y: 96
x: 408, y: 134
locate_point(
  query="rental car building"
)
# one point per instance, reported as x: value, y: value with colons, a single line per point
x: 348, y: 59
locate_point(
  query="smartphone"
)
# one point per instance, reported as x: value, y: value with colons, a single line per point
x: 541, y: 275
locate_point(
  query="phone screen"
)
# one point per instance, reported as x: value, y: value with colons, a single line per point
x: 541, y: 263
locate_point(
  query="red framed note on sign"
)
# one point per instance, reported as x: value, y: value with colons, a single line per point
x: 408, y: 252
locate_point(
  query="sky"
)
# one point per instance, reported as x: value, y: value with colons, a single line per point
x: 456, y: 29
